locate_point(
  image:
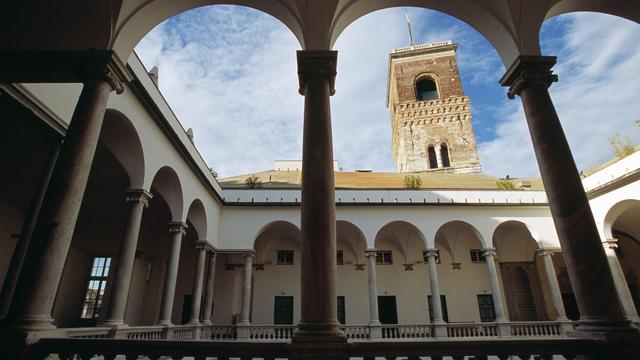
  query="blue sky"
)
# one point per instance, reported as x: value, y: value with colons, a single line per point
x: 229, y: 73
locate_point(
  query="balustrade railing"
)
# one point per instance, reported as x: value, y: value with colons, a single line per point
x: 88, y: 333
x: 271, y: 332
x: 471, y: 330
x: 536, y: 329
x: 399, y: 332
x: 356, y: 332
x: 143, y: 333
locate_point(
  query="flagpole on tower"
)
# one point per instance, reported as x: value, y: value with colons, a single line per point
x: 406, y: 14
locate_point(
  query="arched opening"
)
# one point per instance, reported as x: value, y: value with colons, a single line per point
x: 352, y: 286
x: 463, y: 275
x: 277, y: 249
x: 433, y: 158
x: 426, y: 89
x: 622, y: 224
x: 401, y: 274
x: 522, y: 272
x: 444, y: 155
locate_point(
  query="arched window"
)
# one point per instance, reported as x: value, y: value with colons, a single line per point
x: 433, y: 160
x: 444, y: 155
x: 426, y: 90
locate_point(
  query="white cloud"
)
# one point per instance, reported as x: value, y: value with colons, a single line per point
x: 595, y: 98
x: 230, y: 73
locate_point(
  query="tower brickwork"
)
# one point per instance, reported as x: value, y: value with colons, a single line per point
x: 430, y: 116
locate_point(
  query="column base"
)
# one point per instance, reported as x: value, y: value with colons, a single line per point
x: 207, y: 323
x: 308, y: 332
x: 375, y: 330
x: 504, y: 328
x: 440, y: 329
x: 34, y: 323
x: 114, y: 324
x: 604, y: 329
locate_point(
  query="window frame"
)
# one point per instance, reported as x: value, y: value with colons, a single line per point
x: 93, y: 299
x: 381, y: 257
x: 478, y: 255
x: 285, y: 257
x: 483, y: 308
x: 426, y: 77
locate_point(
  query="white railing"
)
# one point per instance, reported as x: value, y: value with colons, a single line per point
x: 88, y: 333
x: 219, y: 333
x: 406, y: 331
x: 472, y: 330
x: 271, y: 332
x: 183, y: 332
x: 144, y: 333
x: 536, y: 329
x: 356, y: 332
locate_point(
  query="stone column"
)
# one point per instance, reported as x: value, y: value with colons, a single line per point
x: 208, y: 295
x: 38, y: 283
x: 438, y: 320
x: 246, y: 290
x: 177, y: 229
x: 138, y: 200
x: 554, y: 287
x: 587, y: 265
x: 496, y: 288
x: 436, y: 148
x: 17, y: 259
x: 620, y: 281
x: 318, y: 315
x: 198, y: 282
x: 375, y: 329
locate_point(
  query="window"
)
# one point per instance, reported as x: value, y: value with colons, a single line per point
x: 95, y: 288
x: 476, y: 255
x: 424, y: 256
x: 340, y: 257
x: 285, y: 257
x: 444, y: 155
x: 443, y: 306
x: 485, y: 307
x: 384, y: 257
x: 426, y: 90
x: 341, y: 310
x: 433, y: 160
x: 283, y: 310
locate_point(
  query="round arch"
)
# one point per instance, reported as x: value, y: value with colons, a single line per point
x: 166, y: 183
x: 121, y: 138
x: 451, y: 234
x: 279, y: 229
x: 476, y: 16
x: 403, y: 235
x: 624, y: 9
x: 624, y: 212
x: 141, y: 20
x: 350, y: 235
x: 197, y: 216
x: 515, y: 240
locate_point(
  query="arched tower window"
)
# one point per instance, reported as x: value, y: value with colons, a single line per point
x: 444, y: 155
x: 433, y: 160
x: 426, y: 90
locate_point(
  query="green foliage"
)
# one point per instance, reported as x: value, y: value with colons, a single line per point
x: 253, y: 182
x: 621, y: 146
x: 506, y: 184
x: 412, y: 182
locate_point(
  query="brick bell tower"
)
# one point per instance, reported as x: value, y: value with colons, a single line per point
x: 430, y: 116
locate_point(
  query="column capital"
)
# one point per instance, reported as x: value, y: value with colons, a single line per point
x: 431, y: 252
x: 202, y: 244
x: 489, y: 252
x: 178, y: 227
x: 371, y: 253
x: 138, y: 195
x: 610, y: 243
x: 317, y: 63
x: 528, y: 69
x: 545, y: 252
x: 249, y: 255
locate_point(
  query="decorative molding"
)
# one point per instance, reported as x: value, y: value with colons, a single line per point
x: 489, y: 252
x: 138, y: 195
x: 317, y: 63
x: 178, y: 227
x: 528, y: 69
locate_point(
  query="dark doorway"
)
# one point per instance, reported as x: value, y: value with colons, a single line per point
x: 387, y: 310
x: 187, y: 304
x: 341, y: 310
x: 283, y: 310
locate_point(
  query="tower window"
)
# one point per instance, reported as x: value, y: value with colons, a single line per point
x: 444, y: 154
x: 426, y: 90
x: 433, y: 160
